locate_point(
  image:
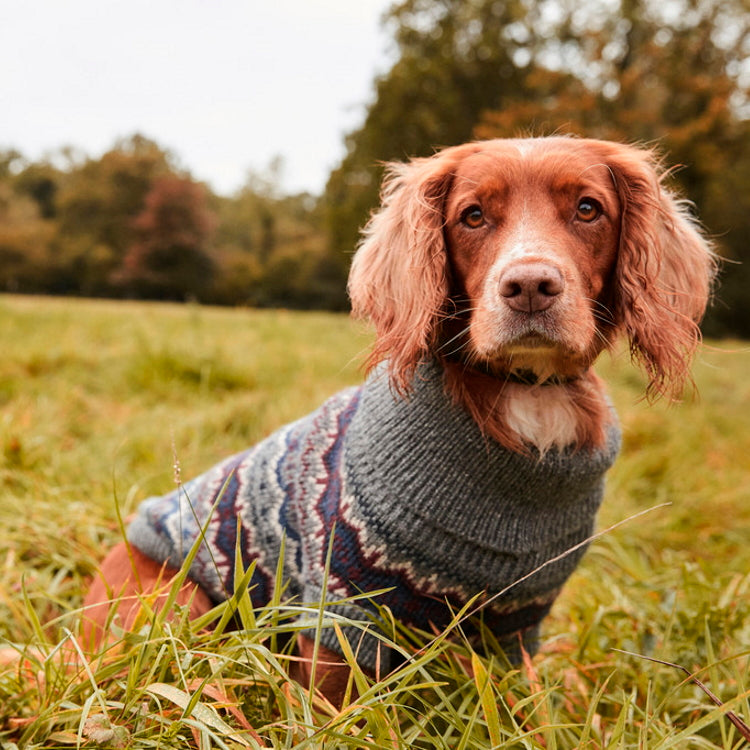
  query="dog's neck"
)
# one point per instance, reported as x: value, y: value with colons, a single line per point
x: 521, y: 410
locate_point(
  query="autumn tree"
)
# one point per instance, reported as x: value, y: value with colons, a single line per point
x: 27, y: 229
x: 272, y: 251
x: 40, y: 182
x: 96, y: 206
x: 170, y: 255
x: 270, y: 248
x: 25, y: 240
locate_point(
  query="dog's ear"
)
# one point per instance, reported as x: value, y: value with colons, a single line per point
x: 665, y: 269
x: 399, y: 279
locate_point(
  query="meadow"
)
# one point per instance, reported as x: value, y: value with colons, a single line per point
x: 103, y: 403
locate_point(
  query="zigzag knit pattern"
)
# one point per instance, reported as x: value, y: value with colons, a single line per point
x: 422, y: 504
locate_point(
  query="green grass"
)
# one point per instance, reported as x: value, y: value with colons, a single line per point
x: 98, y: 400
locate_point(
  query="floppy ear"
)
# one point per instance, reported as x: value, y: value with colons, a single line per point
x: 664, y: 272
x: 398, y: 277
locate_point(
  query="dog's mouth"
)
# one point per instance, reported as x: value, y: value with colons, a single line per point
x: 514, y: 349
x: 535, y: 343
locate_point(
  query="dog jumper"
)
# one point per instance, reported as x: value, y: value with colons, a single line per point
x: 423, y: 505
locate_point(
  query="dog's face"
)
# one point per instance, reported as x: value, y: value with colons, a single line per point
x: 532, y: 236
x: 533, y: 254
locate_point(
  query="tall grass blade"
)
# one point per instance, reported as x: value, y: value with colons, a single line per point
x: 487, y: 699
x: 741, y: 726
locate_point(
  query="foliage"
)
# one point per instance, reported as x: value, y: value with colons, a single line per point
x: 132, y: 223
x: 169, y: 256
x: 272, y: 251
x: 25, y: 239
x: 95, y: 210
x: 105, y: 403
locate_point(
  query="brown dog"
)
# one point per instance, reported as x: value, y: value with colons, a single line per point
x: 495, y: 273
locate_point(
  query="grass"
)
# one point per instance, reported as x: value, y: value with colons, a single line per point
x: 99, y: 400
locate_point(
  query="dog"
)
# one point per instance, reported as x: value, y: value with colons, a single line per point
x: 472, y: 460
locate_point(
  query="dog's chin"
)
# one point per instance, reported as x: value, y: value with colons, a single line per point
x: 495, y: 336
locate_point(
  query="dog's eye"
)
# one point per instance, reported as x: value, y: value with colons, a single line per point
x: 588, y: 209
x: 473, y: 217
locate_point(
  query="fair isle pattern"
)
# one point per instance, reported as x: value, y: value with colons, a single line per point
x: 416, y: 597
x: 286, y: 472
x: 422, y: 505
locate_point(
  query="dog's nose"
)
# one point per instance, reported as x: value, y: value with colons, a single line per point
x: 531, y: 287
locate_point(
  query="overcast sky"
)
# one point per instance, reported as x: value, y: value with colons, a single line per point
x: 225, y: 84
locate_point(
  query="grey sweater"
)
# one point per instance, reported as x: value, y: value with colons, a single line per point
x: 423, y: 505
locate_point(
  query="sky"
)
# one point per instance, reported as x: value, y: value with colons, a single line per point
x: 226, y: 85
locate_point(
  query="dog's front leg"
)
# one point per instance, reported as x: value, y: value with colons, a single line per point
x: 125, y: 575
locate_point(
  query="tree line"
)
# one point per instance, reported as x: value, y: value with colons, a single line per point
x: 133, y: 223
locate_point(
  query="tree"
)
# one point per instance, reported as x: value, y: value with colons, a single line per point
x: 96, y: 206
x: 25, y: 239
x: 26, y: 230
x: 170, y: 256
x: 271, y: 250
x: 11, y: 161
x: 248, y: 220
x: 41, y: 183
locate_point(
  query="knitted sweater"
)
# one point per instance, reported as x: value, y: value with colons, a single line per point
x: 423, y: 506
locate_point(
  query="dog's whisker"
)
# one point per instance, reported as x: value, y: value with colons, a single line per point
x: 465, y: 332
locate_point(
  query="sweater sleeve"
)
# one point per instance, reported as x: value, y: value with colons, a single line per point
x: 167, y: 527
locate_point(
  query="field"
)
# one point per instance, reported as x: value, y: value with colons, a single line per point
x: 104, y: 403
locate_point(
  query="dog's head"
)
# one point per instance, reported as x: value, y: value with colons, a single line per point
x: 533, y: 254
